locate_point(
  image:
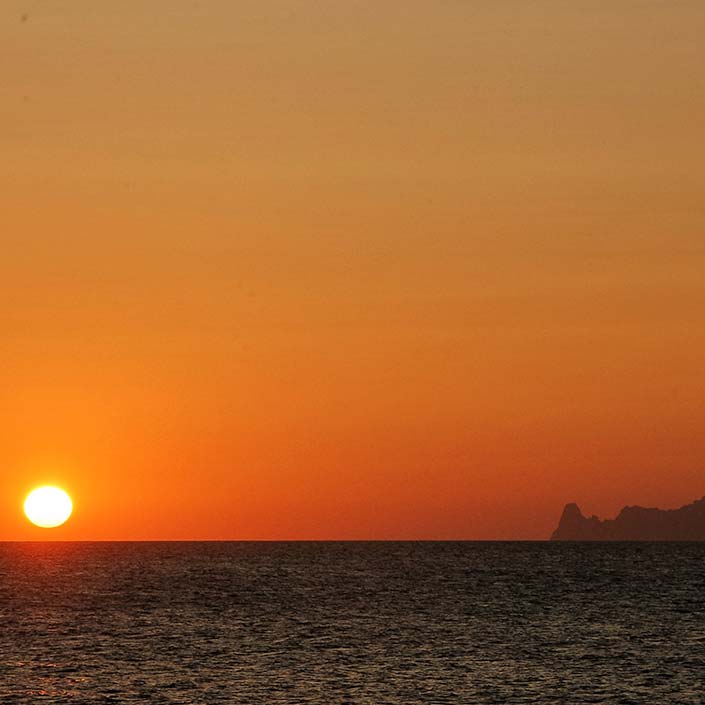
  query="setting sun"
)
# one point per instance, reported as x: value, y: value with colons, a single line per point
x: 48, y: 507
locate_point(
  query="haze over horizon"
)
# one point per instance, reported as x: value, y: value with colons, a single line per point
x: 350, y: 270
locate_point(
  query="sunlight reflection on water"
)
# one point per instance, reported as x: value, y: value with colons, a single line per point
x: 367, y: 623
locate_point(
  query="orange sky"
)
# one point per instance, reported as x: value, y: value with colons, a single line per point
x: 290, y: 270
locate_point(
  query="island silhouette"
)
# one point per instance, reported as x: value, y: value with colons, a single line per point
x: 634, y: 524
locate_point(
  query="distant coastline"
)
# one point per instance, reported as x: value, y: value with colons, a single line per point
x: 634, y: 524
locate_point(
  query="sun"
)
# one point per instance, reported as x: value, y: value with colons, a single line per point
x: 48, y: 507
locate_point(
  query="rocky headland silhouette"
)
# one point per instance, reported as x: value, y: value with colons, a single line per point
x: 634, y: 524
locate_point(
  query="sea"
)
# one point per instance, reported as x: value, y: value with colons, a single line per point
x: 352, y: 623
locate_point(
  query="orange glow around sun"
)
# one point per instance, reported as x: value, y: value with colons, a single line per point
x: 429, y: 287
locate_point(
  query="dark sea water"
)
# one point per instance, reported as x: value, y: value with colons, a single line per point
x: 335, y: 623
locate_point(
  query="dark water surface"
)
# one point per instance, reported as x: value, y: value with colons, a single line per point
x: 334, y: 623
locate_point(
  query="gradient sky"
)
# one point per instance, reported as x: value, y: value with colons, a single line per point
x: 281, y: 270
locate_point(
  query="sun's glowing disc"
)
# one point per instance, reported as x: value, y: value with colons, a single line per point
x: 48, y: 507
